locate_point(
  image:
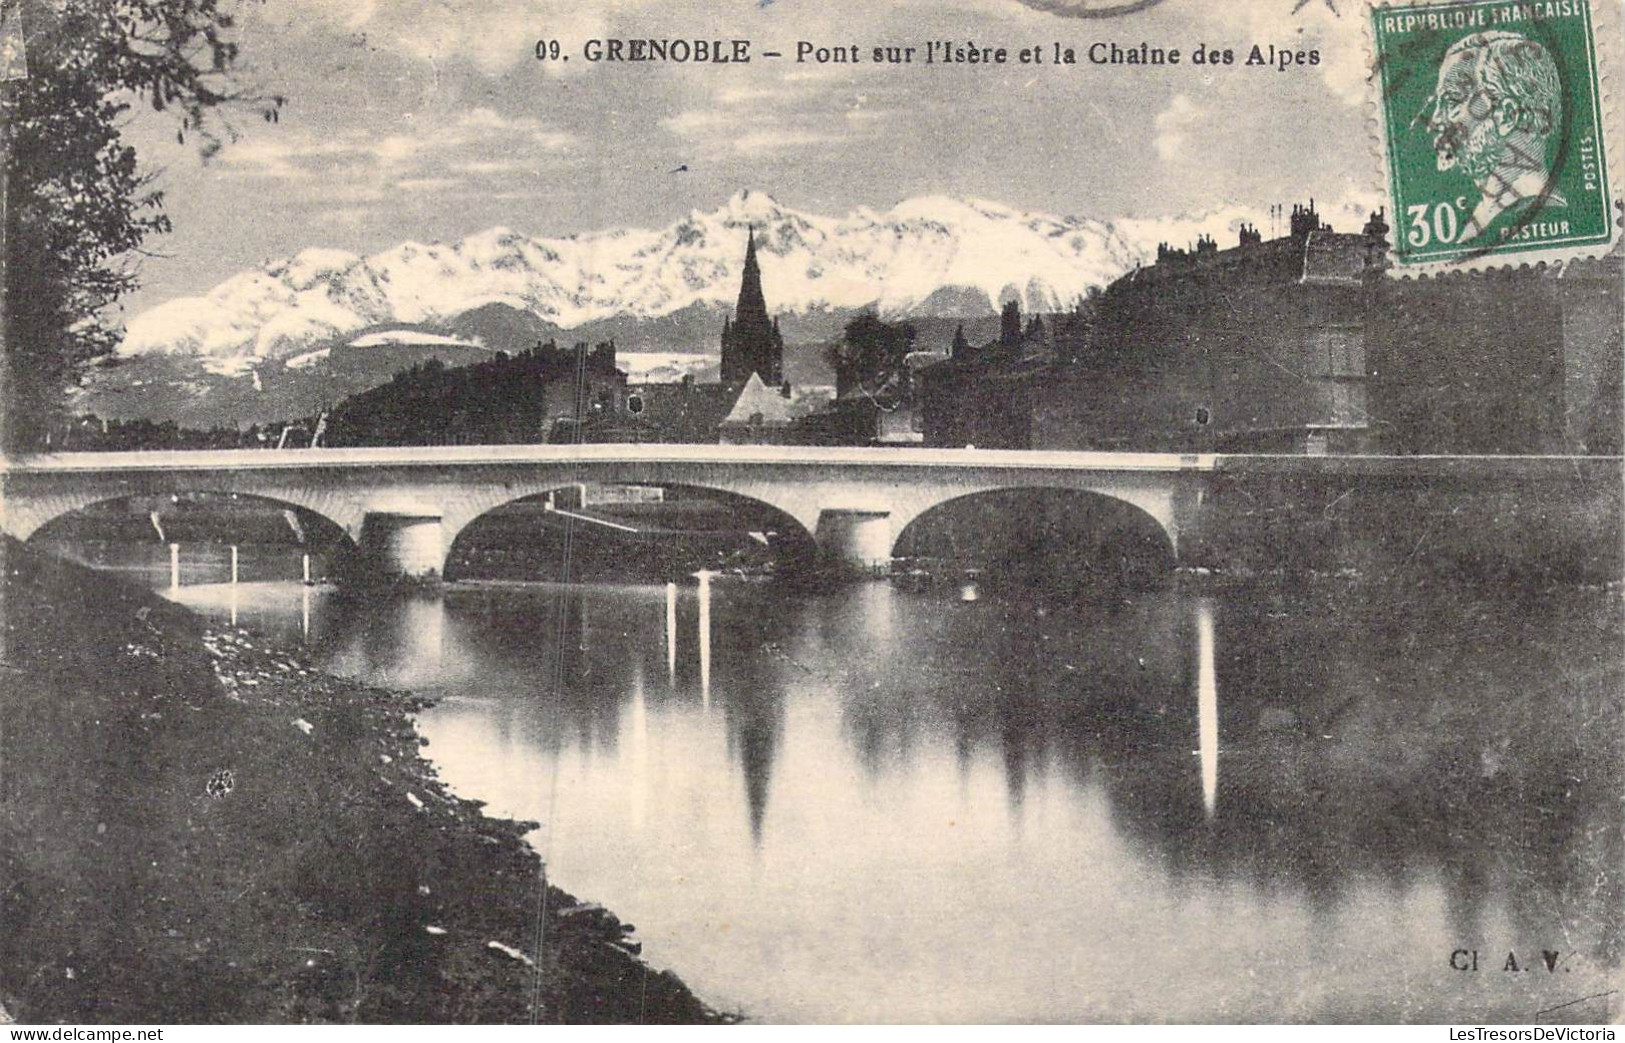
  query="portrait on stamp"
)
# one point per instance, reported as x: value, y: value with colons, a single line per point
x: 1495, y: 110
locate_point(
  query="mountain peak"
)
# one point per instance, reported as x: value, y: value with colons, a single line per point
x: 312, y: 264
x: 951, y: 208
x: 494, y: 234
x: 750, y: 206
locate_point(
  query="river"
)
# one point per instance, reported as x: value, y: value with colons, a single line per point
x: 881, y: 804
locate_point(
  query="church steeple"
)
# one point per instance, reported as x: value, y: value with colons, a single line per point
x: 751, y: 343
x: 751, y: 301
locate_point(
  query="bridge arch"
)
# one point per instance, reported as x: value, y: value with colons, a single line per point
x: 196, y: 517
x: 610, y: 509
x: 25, y: 516
x: 47, y: 524
x: 1045, y: 535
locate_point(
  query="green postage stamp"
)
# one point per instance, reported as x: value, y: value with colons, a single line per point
x: 1493, y: 118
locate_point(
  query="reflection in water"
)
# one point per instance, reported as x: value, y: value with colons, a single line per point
x: 671, y: 633
x: 705, y: 636
x: 405, y: 648
x: 754, y: 714
x: 637, y: 748
x: 906, y: 806
x: 1207, y: 705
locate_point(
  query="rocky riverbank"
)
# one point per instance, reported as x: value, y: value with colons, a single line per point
x: 195, y: 827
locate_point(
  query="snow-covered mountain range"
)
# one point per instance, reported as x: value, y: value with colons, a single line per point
x: 926, y: 256
x: 298, y: 334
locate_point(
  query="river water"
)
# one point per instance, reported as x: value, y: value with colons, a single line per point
x: 878, y: 804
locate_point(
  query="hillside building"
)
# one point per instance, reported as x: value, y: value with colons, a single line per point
x: 1304, y: 344
x: 1523, y: 360
x: 1261, y: 347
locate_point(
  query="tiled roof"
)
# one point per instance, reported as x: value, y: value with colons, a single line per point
x: 757, y: 399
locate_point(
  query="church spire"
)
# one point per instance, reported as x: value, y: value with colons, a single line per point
x: 752, y: 304
x: 752, y: 342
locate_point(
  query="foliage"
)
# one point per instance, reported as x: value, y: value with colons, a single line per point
x: 80, y: 206
x: 507, y: 399
x: 872, y: 353
x: 90, y: 433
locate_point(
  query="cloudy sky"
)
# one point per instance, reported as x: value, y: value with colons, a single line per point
x: 432, y: 119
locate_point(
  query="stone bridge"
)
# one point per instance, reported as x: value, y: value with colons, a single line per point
x: 410, y: 503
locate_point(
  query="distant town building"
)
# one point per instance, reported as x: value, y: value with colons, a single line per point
x: 752, y: 372
x: 587, y: 404
x: 862, y: 419
x: 988, y: 395
x: 684, y: 412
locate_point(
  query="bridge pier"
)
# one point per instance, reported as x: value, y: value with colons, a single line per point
x: 402, y: 545
x: 855, y: 542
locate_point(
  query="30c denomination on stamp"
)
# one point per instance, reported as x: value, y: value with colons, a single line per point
x: 1492, y: 116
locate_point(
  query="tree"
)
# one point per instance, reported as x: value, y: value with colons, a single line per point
x: 79, y: 206
x: 871, y: 355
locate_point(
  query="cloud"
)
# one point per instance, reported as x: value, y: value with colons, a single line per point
x: 1174, y: 125
x: 493, y: 36
x: 745, y: 134
x: 1339, y: 35
x: 396, y: 149
x: 342, y: 217
x: 278, y: 157
x: 699, y: 122
x: 428, y: 184
x: 293, y: 154
x: 491, y: 166
x: 861, y: 117
x: 818, y: 74
x: 752, y: 120
x: 743, y: 94
x: 760, y: 142
x: 485, y: 122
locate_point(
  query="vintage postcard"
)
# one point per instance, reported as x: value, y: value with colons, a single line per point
x: 948, y: 511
